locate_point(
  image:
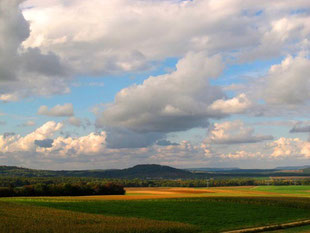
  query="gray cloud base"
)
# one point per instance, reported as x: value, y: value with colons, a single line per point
x: 46, y: 143
x: 170, y: 102
x: 25, y: 72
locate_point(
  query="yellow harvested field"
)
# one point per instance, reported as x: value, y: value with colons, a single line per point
x: 142, y: 193
x: 169, y: 191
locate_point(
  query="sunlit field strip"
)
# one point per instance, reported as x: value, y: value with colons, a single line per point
x: 175, y: 192
x: 151, y: 193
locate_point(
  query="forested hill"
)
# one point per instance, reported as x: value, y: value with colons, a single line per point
x: 152, y: 171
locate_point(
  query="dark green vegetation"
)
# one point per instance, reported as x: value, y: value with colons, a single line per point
x: 12, y: 182
x: 209, y: 214
x: 63, y: 189
x: 153, y: 171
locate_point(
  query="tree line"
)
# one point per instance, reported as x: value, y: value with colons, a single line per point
x: 18, y: 182
x: 213, y: 182
x: 63, y: 189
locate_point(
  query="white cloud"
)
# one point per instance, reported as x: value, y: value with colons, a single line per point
x: 13, y: 143
x: 43, y: 148
x: 169, y: 102
x: 286, y: 147
x: 290, y: 147
x: 43, y: 140
x: 288, y: 83
x: 233, y: 132
x: 51, y: 41
x: 154, y: 30
x: 238, y: 104
x: 42, y: 55
x: 286, y: 33
x: 45, y: 52
x: 25, y: 72
x: 57, y: 111
x: 98, y: 39
x: 8, y: 97
x: 177, y: 101
x: 93, y: 143
x: 242, y: 155
x: 183, y: 154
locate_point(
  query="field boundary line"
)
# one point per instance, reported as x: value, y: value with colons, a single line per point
x: 271, y: 227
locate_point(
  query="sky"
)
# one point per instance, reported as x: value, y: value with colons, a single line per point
x: 106, y: 84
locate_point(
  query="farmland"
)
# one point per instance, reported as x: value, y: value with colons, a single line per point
x: 17, y: 218
x: 161, y: 210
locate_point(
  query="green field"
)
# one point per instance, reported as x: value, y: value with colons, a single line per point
x: 193, y: 210
x: 19, y: 218
x: 304, y: 190
x: 210, y: 214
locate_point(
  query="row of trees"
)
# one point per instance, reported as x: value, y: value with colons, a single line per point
x: 63, y: 189
x: 13, y: 182
x: 212, y: 182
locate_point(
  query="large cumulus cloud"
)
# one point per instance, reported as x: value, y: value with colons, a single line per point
x: 170, y: 102
x: 288, y: 83
x: 25, y: 72
x: 175, y: 101
x: 127, y: 35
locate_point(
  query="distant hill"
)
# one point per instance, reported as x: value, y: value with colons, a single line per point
x: 155, y: 171
x: 213, y: 169
x: 20, y: 171
x: 293, y: 167
x: 144, y: 171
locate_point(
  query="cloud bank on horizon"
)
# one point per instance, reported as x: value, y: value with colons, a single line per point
x: 109, y: 84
